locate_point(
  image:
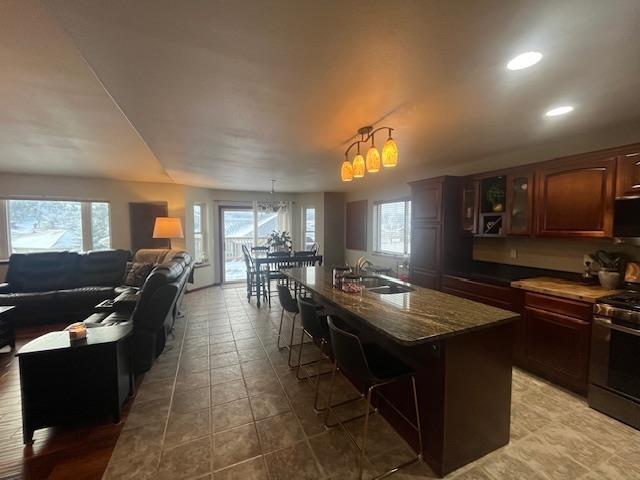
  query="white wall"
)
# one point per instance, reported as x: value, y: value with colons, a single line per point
x: 180, y: 200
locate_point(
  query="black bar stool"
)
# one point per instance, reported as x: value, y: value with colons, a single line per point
x: 315, y: 327
x: 290, y: 305
x: 374, y: 367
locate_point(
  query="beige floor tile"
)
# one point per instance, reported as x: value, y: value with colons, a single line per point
x: 279, y: 432
x: 231, y: 414
x: 139, y: 442
x: 226, y: 392
x: 143, y: 413
x: 295, y: 462
x: 253, y: 469
x: 191, y: 381
x: 268, y: 404
x: 235, y: 445
x: 225, y: 374
x: 183, y: 427
x: 224, y: 359
x: 186, y: 461
x: 191, y: 400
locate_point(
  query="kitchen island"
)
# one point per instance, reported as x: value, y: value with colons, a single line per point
x: 462, y: 353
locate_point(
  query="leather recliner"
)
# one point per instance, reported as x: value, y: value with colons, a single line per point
x: 154, y: 312
x: 61, y: 286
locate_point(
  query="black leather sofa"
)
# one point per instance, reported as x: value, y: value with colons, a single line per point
x: 155, y: 309
x: 61, y: 286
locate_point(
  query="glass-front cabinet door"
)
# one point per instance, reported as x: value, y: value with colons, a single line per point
x: 469, y: 206
x: 519, y: 203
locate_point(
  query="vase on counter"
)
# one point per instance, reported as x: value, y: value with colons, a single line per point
x: 609, y: 279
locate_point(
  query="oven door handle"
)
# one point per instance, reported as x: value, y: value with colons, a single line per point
x: 605, y: 322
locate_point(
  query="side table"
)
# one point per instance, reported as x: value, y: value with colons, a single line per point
x: 7, y: 328
x: 63, y: 381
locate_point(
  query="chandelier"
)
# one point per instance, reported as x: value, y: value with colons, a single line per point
x: 371, y: 164
x: 272, y: 206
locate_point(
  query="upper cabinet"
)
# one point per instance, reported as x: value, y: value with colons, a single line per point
x: 628, y: 176
x: 574, y: 197
x: 427, y: 197
x: 519, y: 220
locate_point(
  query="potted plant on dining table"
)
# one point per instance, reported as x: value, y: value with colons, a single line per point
x: 279, y: 241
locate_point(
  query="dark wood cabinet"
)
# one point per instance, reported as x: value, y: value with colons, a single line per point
x: 628, y: 175
x: 574, y: 197
x: 520, y: 191
x: 427, y: 196
x: 425, y: 265
x: 556, y: 339
x: 496, y: 295
x: 437, y: 239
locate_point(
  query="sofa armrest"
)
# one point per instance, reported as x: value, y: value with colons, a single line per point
x: 5, y: 288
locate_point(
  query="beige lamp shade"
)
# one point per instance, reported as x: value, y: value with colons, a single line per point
x: 168, y: 227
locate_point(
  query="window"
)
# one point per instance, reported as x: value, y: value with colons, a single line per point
x: 49, y: 225
x: 309, y: 228
x: 392, y: 223
x: 199, y: 233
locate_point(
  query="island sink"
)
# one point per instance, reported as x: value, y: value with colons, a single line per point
x: 383, y: 285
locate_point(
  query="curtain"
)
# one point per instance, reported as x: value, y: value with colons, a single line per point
x: 285, y: 217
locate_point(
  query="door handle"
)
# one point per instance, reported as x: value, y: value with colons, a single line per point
x: 605, y: 322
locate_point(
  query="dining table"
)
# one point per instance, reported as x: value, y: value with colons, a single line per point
x: 267, y: 263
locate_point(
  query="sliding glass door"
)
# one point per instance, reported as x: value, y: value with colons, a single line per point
x: 237, y: 227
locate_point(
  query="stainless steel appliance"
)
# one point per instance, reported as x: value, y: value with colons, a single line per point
x: 614, y: 374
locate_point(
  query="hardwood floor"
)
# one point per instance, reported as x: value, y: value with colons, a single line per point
x: 75, y: 452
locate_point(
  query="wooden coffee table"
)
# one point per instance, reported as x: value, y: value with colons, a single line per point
x: 7, y: 328
x: 63, y: 382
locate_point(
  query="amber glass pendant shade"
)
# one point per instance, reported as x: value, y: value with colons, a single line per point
x: 346, y: 172
x: 373, y: 160
x: 390, y: 153
x: 358, y: 166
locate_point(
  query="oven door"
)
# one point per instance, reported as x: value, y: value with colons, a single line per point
x: 615, y: 358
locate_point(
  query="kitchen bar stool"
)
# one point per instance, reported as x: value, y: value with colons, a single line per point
x: 374, y: 367
x: 289, y: 304
x: 315, y: 327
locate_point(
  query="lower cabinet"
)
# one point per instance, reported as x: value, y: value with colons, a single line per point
x: 553, y: 336
x: 556, y: 336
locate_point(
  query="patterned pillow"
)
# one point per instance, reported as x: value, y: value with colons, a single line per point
x: 137, y: 273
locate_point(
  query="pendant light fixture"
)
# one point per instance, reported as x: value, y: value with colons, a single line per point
x: 390, y: 152
x: 357, y: 169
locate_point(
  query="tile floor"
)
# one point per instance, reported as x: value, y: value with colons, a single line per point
x: 222, y: 403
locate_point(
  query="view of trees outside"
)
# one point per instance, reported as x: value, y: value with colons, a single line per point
x: 393, y: 229
x: 47, y: 225
x: 100, y: 228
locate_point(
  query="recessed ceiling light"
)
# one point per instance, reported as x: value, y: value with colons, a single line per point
x: 524, y: 60
x: 554, y: 112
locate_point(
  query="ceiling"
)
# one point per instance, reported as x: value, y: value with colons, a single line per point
x: 231, y: 94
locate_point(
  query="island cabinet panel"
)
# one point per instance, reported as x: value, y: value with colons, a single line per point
x: 556, y: 339
x: 574, y: 197
x: 628, y: 175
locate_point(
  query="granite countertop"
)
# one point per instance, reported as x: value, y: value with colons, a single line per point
x: 411, y: 318
x: 563, y: 288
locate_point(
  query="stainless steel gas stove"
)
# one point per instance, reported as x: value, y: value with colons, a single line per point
x: 614, y: 374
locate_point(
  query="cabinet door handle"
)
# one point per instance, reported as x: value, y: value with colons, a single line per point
x: 605, y: 322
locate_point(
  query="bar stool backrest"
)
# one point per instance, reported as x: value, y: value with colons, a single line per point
x: 348, y: 352
x: 310, y: 319
x: 286, y: 300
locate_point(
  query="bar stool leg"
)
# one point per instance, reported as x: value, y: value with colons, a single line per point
x: 364, y: 435
x: 331, y: 384
x: 418, y: 423
x: 293, y: 328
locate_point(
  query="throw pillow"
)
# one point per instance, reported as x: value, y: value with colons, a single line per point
x: 137, y: 273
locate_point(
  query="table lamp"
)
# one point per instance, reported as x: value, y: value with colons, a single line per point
x: 168, y: 228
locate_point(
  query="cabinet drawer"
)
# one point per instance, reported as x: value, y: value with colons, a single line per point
x: 562, y: 306
x: 495, y: 295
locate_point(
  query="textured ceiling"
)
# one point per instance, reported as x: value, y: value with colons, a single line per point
x: 55, y: 116
x: 230, y: 94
